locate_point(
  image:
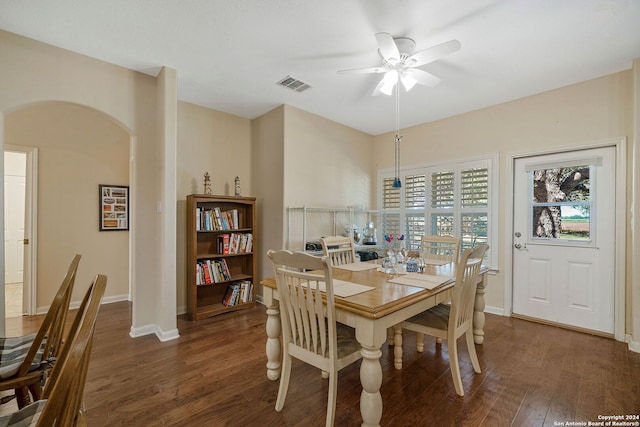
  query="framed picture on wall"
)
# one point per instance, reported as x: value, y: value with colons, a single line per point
x: 114, y: 207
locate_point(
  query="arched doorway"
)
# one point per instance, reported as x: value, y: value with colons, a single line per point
x: 79, y: 148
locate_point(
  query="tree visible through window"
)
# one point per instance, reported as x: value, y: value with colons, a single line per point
x: 561, y: 207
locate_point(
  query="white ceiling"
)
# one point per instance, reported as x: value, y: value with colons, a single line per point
x: 229, y: 54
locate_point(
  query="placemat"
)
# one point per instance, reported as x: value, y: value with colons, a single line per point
x: 357, y: 266
x: 425, y: 281
x: 345, y: 289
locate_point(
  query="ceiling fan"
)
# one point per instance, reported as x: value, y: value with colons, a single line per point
x: 400, y: 63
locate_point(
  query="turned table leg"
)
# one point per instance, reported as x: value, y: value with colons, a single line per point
x: 397, y: 346
x: 371, y: 379
x: 478, y: 312
x: 274, y: 349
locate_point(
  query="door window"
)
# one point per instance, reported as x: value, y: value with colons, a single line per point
x: 561, y: 206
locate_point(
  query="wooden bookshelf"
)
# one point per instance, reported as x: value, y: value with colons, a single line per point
x: 213, y: 221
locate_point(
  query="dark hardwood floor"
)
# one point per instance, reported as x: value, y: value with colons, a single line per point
x: 215, y: 375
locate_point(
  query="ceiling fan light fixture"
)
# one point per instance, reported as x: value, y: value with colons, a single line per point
x: 408, y: 81
x: 390, y: 79
x: 399, y: 62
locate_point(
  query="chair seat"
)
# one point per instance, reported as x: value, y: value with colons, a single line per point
x: 436, y: 317
x: 27, y: 416
x: 13, y: 351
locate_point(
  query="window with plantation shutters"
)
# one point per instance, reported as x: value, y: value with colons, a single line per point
x: 474, y: 187
x: 442, y: 189
x: 391, y: 204
x: 447, y: 199
x: 391, y: 196
x: 415, y: 191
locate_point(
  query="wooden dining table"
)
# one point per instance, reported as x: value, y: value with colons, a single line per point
x: 372, y: 314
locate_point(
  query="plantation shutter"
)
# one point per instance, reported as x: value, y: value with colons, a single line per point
x: 414, y: 203
x: 442, y: 189
x: 391, y: 204
x: 474, y: 187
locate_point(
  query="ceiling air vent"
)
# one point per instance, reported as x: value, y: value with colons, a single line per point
x: 294, y: 84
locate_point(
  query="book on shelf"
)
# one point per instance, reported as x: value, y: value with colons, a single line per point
x: 212, y: 271
x: 234, y: 243
x: 215, y: 219
x: 234, y: 214
x: 238, y: 293
x: 229, y: 220
x: 249, y: 247
x: 223, y: 244
x: 198, y: 274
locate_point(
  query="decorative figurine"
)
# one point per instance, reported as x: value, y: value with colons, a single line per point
x: 237, y: 186
x: 207, y: 184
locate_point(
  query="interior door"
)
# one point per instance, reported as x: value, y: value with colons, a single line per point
x: 564, y: 237
x: 14, y: 190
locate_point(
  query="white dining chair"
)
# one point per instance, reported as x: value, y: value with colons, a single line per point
x: 451, y: 321
x: 440, y: 248
x: 340, y: 249
x: 309, y: 329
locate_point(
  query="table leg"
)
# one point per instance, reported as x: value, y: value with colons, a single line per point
x: 274, y: 349
x: 397, y: 346
x: 371, y: 379
x: 478, y: 312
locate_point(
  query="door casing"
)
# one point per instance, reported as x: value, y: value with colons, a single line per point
x: 620, y: 227
x: 30, y: 226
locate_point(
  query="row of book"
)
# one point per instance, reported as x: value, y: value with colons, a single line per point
x: 238, y: 293
x: 216, y: 219
x: 212, y: 271
x: 235, y: 243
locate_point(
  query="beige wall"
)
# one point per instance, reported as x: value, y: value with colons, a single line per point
x: 305, y: 160
x: 267, y: 141
x: 78, y: 149
x: 326, y: 164
x: 214, y: 142
x: 566, y: 117
x: 34, y: 72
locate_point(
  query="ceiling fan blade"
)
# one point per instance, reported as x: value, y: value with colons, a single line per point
x: 375, y: 70
x: 433, y: 53
x: 424, y: 78
x: 387, y: 47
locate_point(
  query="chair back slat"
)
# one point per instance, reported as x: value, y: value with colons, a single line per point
x: 340, y: 249
x: 441, y: 248
x: 306, y: 323
x: 464, y: 292
x: 63, y: 392
x: 51, y: 331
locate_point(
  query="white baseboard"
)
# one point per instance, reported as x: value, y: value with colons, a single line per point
x: 154, y: 329
x: 75, y: 304
x: 494, y: 310
x: 633, y: 345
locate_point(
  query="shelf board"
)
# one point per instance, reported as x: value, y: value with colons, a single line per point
x: 217, y: 256
x: 215, y: 309
x: 235, y: 278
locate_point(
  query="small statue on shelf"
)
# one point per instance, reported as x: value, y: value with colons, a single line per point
x: 207, y: 184
x: 237, y: 186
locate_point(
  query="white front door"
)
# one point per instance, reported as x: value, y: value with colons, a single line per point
x: 564, y: 238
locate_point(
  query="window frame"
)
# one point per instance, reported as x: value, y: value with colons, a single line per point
x: 488, y: 162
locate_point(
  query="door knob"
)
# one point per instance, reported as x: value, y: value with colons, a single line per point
x: 517, y: 246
